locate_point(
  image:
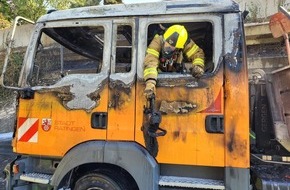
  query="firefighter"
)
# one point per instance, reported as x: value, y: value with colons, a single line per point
x: 165, y: 54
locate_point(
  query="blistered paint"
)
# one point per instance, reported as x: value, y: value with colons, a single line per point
x: 120, y: 94
x: 123, y: 79
x: 78, y: 91
x: 233, y: 34
x: 152, y: 8
x: 176, y: 107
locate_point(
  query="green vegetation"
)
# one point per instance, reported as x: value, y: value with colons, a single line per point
x: 13, y: 69
x: 33, y: 9
x: 11, y: 76
x: 255, y: 11
x: 12, y: 73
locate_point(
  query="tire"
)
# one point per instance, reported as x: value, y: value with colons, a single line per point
x: 98, y: 181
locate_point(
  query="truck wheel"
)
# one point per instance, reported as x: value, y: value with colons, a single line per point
x: 98, y: 181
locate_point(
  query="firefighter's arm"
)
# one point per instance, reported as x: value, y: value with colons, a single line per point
x: 150, y: 66
x: 194, y: 53
x: 150, y: 74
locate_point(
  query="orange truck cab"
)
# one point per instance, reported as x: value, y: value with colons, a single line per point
x: 80, y: 113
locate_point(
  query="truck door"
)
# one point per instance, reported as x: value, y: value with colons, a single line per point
x: 192, y: 109
x: 121, y: 107
x: 66, y: 73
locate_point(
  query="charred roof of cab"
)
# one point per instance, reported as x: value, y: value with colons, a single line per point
x: 139, y: 9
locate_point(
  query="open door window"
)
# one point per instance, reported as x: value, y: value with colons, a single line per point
x: 200, y: 32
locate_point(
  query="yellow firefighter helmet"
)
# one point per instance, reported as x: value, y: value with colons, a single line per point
x: 176, y: 35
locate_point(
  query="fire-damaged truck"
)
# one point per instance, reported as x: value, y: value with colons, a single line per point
x: 83, y: 122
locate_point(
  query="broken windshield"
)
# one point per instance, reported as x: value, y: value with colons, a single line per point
x: 87, y: 41
x: 67, y: 50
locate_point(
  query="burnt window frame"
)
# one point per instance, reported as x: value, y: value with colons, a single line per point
x: 217, y: 36
x: 126, y: 77
x: 115, y: 46
x: 27, y: 69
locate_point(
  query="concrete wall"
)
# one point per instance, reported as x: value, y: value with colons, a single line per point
x: 262, y: 8
x: 22, y: 35
x: 257, y: 8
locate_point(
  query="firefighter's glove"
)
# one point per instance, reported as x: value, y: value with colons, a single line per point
x: 197, y: 71
x: 150, y: 88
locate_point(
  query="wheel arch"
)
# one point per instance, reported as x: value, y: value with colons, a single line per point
x: 128, y: 155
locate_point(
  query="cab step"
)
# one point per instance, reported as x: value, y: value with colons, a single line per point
x: 188, y: 182
x: 36, y: 178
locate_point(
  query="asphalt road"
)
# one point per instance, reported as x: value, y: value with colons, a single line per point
x: 6, y: 155
x: 7, y: 119
x: 4, y: 160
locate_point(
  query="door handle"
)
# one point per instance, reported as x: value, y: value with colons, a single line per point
x: 214, y: 123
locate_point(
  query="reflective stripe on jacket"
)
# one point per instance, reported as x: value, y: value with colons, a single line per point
x: 191, y: 50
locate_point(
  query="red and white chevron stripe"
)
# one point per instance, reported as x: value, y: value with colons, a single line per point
x: 28, y: 129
